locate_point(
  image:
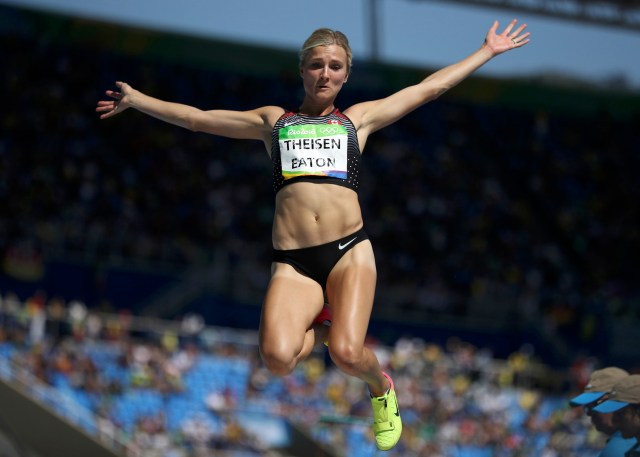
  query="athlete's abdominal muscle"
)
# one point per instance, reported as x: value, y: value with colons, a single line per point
x: 309, y: 214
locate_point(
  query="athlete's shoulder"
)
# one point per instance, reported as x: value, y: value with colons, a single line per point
x: 270, y: 113
x: 354, y: 113
x: 281, y: 115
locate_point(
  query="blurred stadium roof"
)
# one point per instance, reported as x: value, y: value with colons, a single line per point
x: 621, y: 13
x: 575, y: 41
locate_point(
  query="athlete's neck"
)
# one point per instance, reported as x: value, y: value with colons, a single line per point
x: 315, y: 110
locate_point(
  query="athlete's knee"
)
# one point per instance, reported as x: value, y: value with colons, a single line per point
x: 277, y: 360
x: 346, y: 356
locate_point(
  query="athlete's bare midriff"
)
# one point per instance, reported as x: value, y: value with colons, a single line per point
x: 310, y: 214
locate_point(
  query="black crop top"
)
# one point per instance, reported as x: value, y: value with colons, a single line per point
x: 320, y: 149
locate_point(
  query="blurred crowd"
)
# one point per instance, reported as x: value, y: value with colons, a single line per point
x: 457, y: 400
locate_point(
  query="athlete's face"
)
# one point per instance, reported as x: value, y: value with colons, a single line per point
x: 324, y: 72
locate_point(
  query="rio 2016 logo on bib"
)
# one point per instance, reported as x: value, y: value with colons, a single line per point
x: 313, y: 150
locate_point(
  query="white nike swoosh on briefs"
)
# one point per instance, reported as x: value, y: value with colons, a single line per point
x: 342, y: 246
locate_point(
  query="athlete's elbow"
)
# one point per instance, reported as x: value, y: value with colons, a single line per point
x: 191, y: 123
x: 438, y: 91
x: 430, y: 96
x: 434, y: 90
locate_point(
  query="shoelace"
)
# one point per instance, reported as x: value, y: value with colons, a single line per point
x: 384, y: 406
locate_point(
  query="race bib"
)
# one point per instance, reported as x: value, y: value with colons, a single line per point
x: 313, y: 150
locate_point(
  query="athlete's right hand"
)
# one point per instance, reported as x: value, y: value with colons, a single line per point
x: 120, y: 101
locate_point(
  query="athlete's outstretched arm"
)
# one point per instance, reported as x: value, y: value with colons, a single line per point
x: 374, y: 115
x: 254, y: 124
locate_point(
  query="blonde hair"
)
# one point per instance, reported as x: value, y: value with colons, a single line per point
x: 326, y: 37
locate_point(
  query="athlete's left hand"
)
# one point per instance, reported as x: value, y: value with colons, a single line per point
x: 508, y: 39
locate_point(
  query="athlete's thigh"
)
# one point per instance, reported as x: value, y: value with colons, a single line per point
x: 350, y: 290
x: 291, y: 303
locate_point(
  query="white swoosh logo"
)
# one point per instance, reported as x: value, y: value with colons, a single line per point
x: 342, y: 246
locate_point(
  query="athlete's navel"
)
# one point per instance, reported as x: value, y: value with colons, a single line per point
x: 317, y: 218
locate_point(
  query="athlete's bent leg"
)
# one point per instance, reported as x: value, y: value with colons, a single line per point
x: 291, y: 303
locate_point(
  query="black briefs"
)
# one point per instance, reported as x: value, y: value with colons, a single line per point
x: 316, y: 262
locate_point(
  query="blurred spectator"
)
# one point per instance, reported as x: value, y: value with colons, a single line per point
x: 599, y: 387
x: 624, y: 402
